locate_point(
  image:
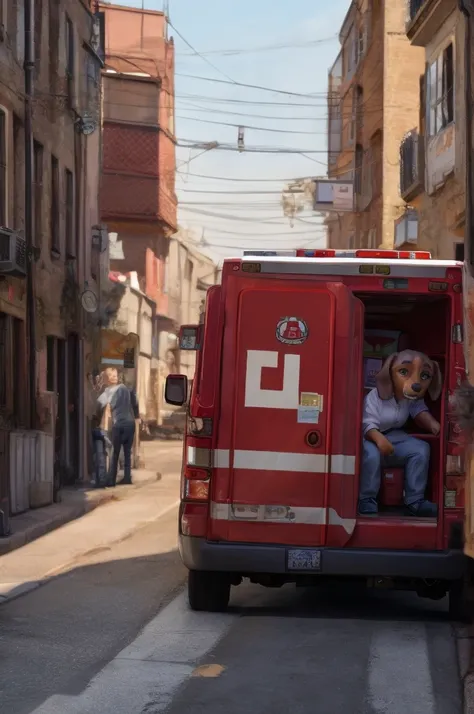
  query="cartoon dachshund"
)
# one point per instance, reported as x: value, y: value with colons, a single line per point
x: 405, y: 378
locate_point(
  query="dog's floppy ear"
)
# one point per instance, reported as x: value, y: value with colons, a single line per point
x: 436, y: 386
x: 383, y: 379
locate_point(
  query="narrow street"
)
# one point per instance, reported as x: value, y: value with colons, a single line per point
x: 114, y: 634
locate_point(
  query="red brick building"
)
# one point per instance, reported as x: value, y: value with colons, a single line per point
x: 138, y: 200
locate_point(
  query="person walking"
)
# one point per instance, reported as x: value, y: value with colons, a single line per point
x: 124, y: 410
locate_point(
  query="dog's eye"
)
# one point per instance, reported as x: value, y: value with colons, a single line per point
x: 403, y: 372
x: 425, y: 375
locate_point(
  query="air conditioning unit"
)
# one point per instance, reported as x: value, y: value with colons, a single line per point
x: 12, y: 253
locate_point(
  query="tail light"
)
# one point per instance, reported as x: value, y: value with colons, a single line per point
x: 195, y: 484
x: 196, y: 490
x: 199, y: 427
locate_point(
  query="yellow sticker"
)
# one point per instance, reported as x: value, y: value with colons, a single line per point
x: 312, y: 399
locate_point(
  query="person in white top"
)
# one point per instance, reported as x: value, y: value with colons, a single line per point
x: 402, y: 383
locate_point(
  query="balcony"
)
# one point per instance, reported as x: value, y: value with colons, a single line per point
x: 425, y: 18
x: 412, y: 166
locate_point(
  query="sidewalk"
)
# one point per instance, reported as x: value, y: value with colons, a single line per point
x: 29, y: 567
x: 159, y: 457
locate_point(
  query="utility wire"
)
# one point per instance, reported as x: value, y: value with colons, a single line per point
x: 263, y: 48
x: 198, y: 54
x: 250, y: 127
x: 260, y: 87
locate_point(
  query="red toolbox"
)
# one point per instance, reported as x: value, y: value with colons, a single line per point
x: 391, y: 488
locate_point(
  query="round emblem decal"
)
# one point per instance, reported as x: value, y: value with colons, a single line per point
x: 292, y: 331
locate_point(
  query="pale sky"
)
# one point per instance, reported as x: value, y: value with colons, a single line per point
x: 235, y: 36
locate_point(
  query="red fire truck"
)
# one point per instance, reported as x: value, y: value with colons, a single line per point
x: 288, y: 348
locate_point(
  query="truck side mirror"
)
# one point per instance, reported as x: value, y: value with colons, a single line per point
x: 176, y: 390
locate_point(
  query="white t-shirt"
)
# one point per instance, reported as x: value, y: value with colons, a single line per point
x: 386, y: 414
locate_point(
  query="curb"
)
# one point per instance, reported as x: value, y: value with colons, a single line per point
x: 70, y: 513
x: 20, y: 589
x: 464, y: 641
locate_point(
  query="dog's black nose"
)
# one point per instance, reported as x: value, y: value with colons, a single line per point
x: 416, y: 387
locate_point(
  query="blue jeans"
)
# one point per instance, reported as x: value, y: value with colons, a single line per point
x: 122, y: 435
x: 100, y: 444
x: 410, y: 453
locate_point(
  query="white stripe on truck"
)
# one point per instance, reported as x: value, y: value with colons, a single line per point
x: 280, y: 461
x: 271, y: 461
x: 303, y: 515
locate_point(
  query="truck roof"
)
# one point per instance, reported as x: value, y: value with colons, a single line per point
x: 401, y: 268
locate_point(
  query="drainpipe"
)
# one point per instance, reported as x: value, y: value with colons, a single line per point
x: 29, y: 69
x: 467, y: 8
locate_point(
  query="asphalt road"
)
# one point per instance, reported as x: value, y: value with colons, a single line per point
x: 56, y: 638
x: 73, y: 647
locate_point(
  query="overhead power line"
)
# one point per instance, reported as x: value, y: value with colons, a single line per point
x: 264, y: 48
x: 250, y: 127
x: 244, y: 180
x: 234, y: 100
x: 198, y: 54
x: 190, y: 144
x: 260, y: 87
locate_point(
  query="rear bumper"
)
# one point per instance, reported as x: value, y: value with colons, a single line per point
x: 245, y: 559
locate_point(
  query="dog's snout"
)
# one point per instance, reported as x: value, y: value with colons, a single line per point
x: 416, y: 387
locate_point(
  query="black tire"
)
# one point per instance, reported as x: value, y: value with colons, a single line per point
x: 458, y: 604
x: 207, y: 591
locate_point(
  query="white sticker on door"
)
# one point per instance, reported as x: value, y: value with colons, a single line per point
x: 285, y: 398
x: 308, y: 415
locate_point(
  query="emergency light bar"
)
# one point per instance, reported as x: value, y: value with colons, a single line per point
x: 330, y: 253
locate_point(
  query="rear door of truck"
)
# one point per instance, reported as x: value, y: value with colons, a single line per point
x: 289, y: 422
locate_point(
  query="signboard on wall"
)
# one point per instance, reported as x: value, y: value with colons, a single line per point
x: 119, y: 350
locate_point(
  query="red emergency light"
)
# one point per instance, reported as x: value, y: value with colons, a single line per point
x: 364, y: 253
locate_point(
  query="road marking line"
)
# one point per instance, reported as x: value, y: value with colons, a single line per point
x: 147, y: 674
x: 399, y: 671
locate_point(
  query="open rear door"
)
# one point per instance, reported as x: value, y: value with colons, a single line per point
x: 276, y: 417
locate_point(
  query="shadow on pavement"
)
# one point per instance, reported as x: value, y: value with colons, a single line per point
x: 59, y: 636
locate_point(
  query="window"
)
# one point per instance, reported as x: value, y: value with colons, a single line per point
x: 350, y: 53
x: 3, y: 168
x: 18, y: 365
x: 3, y: 360
x: 459, y: 252
x: 359, y: 107
x: 359, y: 160
x: 3, y: 18
x: 51, y: 356
x: 440, y: 91
x: 376, y: 143
x: 38, y: 193
x: 70, y: 59
x: 367, y: 174
x: 69, y: 213
x: 38, y: 35
x: 55, y: 244
x: 101, y: 50
x: 69, y: 48
x: 16, y: 173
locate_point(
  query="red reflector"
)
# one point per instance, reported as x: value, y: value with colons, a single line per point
x: 195, y: 474
x: 388, y: 254
x: 302, y: 253
x: 394, y: 254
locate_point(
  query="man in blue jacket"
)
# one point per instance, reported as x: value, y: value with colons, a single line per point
x: 124, y: 409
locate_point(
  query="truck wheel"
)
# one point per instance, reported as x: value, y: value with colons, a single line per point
x: 207, y: 591
x: 458, y: 606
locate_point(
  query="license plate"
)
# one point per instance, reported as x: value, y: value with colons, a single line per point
x: 304, y: 559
